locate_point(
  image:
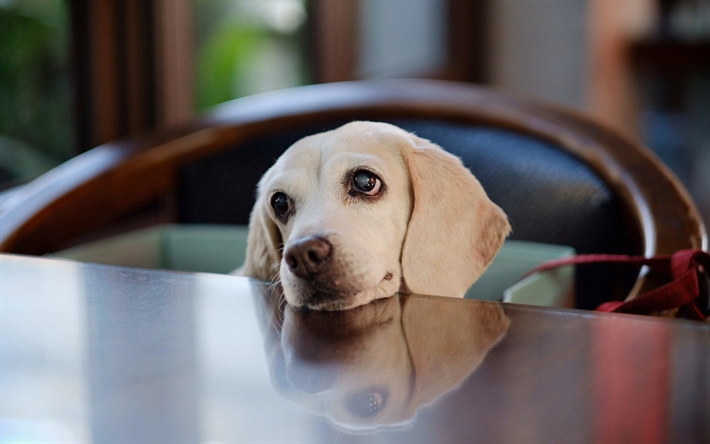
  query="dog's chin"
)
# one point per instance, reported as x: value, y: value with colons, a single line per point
x: 315, y: 296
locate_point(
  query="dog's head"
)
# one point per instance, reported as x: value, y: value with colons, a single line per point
x: 366, y: 210
x: 378, y: 364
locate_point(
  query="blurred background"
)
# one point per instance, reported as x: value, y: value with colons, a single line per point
x: 78, y: 73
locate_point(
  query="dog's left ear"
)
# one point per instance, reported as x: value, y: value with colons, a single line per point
x: 455, y: 230
x: 263, y: 245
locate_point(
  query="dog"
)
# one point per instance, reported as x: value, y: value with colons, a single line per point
x: 376, y: 365
x: 367, y: 210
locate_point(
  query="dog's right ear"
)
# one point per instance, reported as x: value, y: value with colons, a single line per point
x: 263, y: 245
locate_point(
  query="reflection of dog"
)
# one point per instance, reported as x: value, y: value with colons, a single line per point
x: 365, y: 211
x: 379, y: 363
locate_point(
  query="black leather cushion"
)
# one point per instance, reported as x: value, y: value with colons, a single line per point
x: 549, y: 195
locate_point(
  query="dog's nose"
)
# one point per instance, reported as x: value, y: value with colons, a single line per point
x: 310, y: 379
x: 307, y: 256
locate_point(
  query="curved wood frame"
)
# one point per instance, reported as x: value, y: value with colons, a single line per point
x: 116, y: 179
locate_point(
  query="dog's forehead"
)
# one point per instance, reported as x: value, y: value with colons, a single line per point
x: 372, y: 137
x: 358, y: 140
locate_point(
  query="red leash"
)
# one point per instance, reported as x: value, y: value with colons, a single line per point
x: 682, y: 267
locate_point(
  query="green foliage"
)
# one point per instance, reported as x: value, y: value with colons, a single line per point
x: 220, y: 61
x: 35, y: 90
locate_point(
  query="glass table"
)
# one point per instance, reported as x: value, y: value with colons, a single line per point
x: 111, y: 354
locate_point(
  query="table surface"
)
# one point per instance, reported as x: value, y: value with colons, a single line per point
x: 109, y: 354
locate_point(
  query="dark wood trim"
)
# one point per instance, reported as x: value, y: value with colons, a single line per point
x: 140, y: 69
x: 115, y: 180
x: 334, y: 27
x: 106, y: 69
x: 467, y: 33
x: 671, y: 56
x: 174, y: 54
x: 79, y: 17
x: 114, y: 74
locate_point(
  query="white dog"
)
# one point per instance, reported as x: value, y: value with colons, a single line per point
x: 367, y: 210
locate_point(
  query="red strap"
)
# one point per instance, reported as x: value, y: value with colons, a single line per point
x: 683, y: 290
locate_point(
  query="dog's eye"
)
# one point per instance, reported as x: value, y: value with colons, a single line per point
x: 367, y: 183
x: 281, y: 204
x: 366, y: 404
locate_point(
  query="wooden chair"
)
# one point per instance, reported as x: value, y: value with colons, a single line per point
x: 561, y: 177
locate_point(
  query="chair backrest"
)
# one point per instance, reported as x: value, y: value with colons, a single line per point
x: 560, y: 177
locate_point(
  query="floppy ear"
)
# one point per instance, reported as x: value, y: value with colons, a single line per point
x: 263, y: 245
x: 448, y: 341
x: 454, y: 231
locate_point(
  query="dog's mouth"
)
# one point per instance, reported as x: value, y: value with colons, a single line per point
x: 326, y: 299
x: 316, y: 295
